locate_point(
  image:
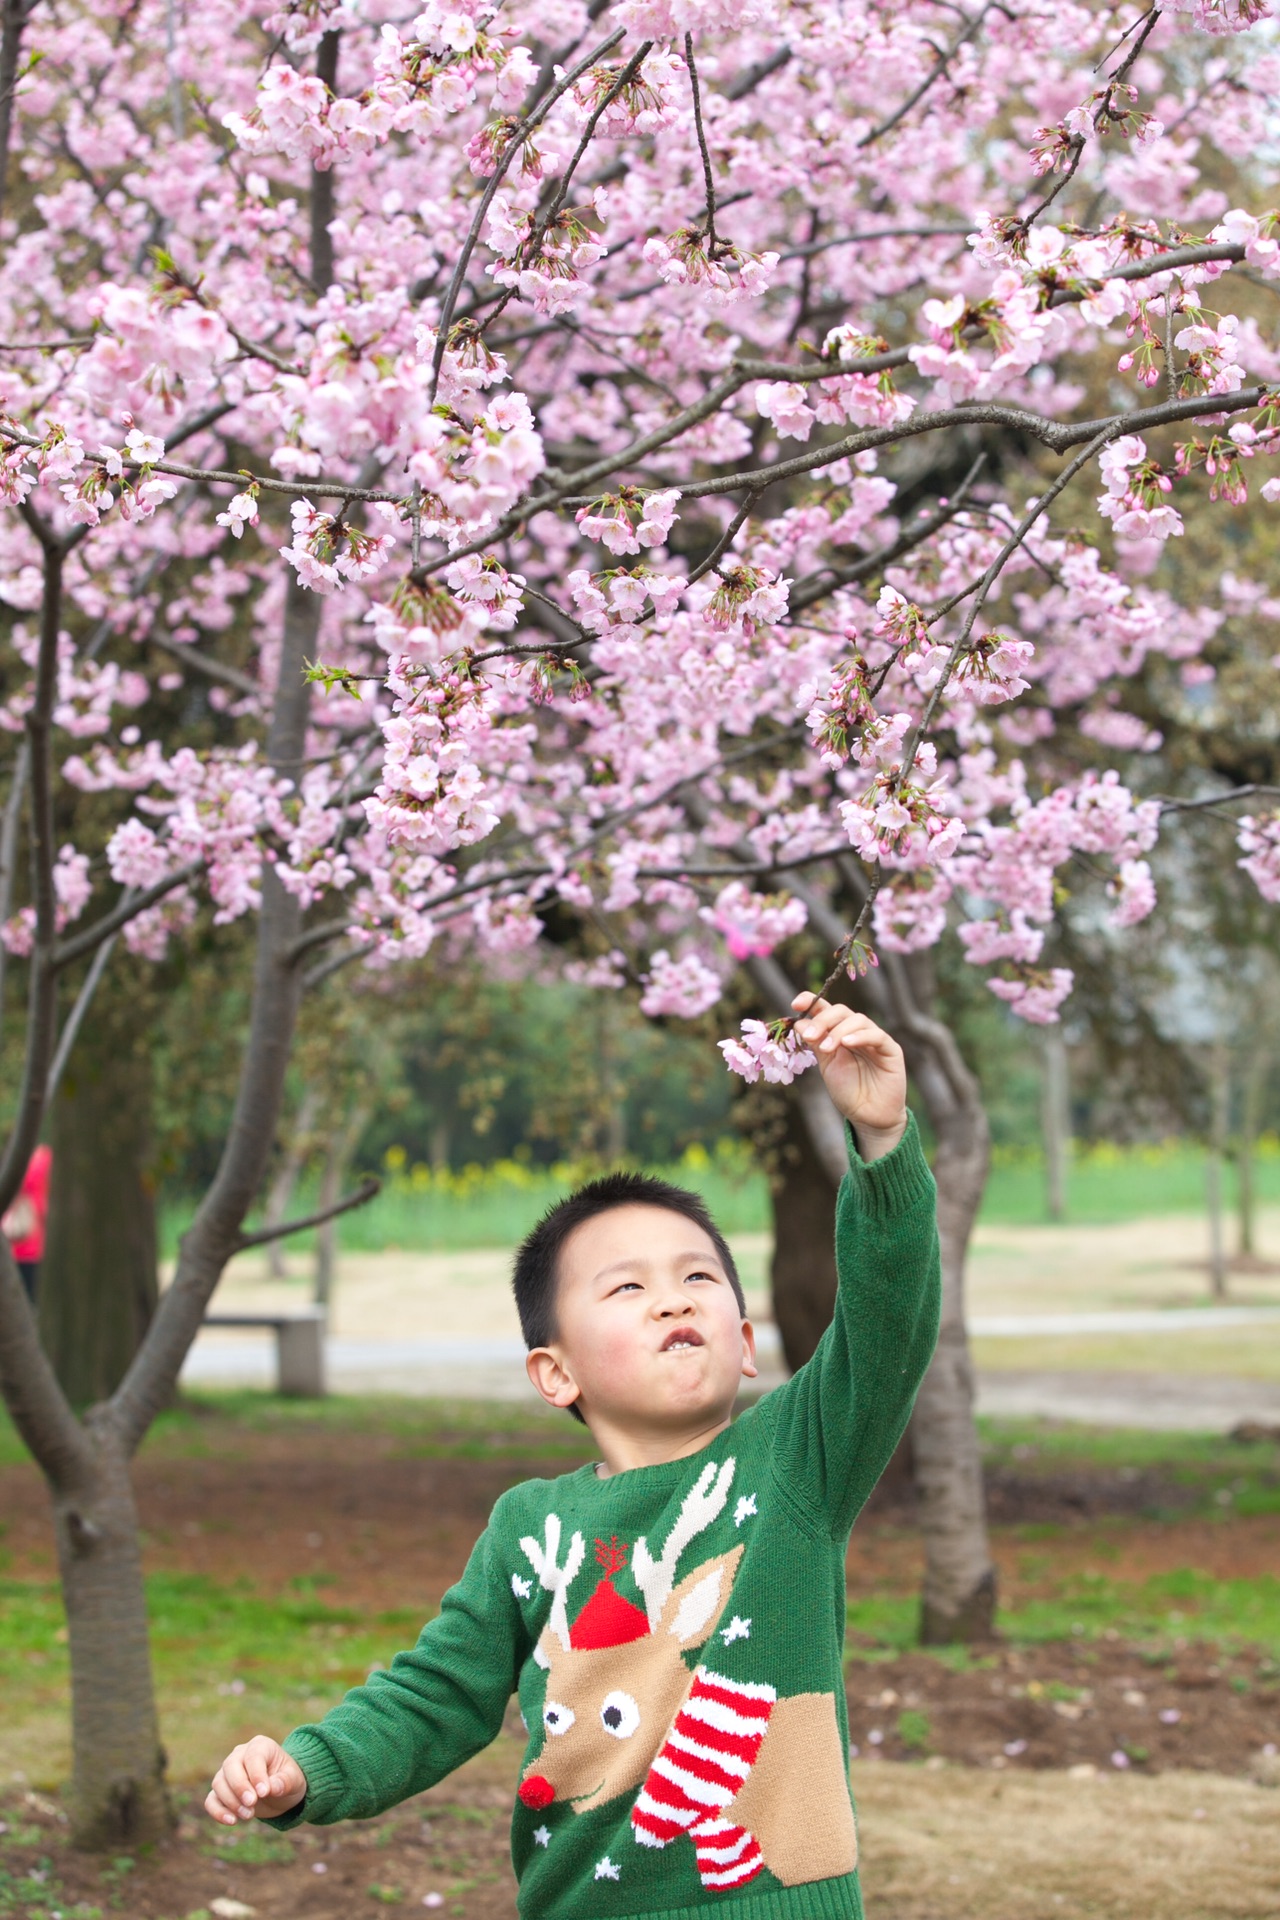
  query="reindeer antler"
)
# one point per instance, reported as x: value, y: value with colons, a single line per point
x: 555, y: 1580
x: 704, y: 1501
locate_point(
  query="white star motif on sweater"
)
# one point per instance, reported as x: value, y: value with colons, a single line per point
x: 543, y: 1836
x: 521, y: 1588
x: 745, y: 1507
x: 737, y: 1629
x: 605, y: 1870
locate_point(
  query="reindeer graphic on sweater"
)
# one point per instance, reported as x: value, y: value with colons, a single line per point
x: 752, y: 1780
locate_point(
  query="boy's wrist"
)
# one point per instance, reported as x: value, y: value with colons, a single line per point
x: 875, y: 1142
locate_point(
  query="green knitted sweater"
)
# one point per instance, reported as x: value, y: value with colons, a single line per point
x: 674, y: 1633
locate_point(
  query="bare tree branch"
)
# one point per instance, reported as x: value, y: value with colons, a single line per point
x: 75, y: 1019
x: 944, y: 58
x: 218, y: 670
x: 41, y: 991
x: 127, y: 909
x: 366, y: 1191
x: 520, y: 133
x: 29, y: 1389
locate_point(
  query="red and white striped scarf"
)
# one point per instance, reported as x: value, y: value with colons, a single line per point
x: 701, y: 1765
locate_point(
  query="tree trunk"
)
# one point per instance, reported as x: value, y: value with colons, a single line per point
x: 118, y: 1797
x: 286, y: 1180
x: 327, y: 1231
x: 958, y: 1599
x: 803, y: 1273
x: 1255, y: 1078
x: 1055, y: 1122
x: 119, y: 1792
x: 1220, y: 1095
x: 98, y: 1277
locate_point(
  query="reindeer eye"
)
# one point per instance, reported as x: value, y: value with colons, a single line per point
x: 557, y: 1719
x: 619, y: 1715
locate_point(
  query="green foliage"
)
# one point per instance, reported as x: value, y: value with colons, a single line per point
x: 1157, y: 1612
x: 252, y: 1846
x: 914, y: 1730
x: 1109, y: 1183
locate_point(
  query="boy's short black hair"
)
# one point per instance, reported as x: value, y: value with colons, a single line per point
x: 537, y: 1259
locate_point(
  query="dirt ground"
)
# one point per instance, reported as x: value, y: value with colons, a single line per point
x: 937, y: 1844
x: 1023, y: 1768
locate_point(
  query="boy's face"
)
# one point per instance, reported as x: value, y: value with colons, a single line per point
x: 649, y: 1333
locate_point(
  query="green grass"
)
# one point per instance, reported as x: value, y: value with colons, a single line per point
x: 1158, y: 1614
x: 225, y: 1424
x: 1214, y: 1475
x: 494, y: 1206
x: 1107, y: 1184
x: 230, y: 1656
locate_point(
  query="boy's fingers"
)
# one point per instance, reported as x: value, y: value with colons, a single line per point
x: 216, y: 1811
x: 222, y: 1803
x: 806, y: 999
x: 820, y: 1021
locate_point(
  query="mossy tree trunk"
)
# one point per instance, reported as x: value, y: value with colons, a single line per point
x: 803, y: 1273
x: 98, y: 1277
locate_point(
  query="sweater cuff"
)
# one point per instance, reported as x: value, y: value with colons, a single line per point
x: 897, y: 1181
x: 323, y: 1776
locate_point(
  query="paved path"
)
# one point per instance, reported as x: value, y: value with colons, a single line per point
x: 479, y: 1369
x: 1165, y: 1402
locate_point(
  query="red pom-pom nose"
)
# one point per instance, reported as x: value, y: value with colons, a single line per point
x: 537, y: 1792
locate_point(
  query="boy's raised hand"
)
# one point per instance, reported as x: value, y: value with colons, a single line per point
x: 257, y: 1778
x: 862, y: 1068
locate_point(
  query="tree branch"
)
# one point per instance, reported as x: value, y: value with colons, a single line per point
x: 75, y: 1019
x: 42, y: 986
x: 127, y: 909
x: 944, y: 59
x: 366, y: 1191
x: 519, y: 135
x: 211, y: 669
x: 30, y: 1389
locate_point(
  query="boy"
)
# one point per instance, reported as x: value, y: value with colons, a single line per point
x: 673, y: 1616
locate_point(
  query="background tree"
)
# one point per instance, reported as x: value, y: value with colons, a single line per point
x: 806, y: 311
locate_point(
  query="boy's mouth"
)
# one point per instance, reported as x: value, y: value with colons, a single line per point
x: 681, y: 1337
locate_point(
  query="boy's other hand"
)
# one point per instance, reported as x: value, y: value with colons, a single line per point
x: 863, y: 1070
x: 259, y: 1778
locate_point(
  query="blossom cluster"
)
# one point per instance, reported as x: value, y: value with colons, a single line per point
x: 504, y: 339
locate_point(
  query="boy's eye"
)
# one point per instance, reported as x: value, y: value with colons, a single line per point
x: 701, y: 1275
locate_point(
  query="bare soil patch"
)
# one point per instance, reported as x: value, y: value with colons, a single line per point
x: 1105, y: 1706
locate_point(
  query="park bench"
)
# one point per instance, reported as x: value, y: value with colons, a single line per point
x: 299, y: 1346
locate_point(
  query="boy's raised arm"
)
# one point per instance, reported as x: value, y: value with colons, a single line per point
x: 837, y: 1423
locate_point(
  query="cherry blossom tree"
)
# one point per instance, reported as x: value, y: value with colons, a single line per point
x: 694, y: 469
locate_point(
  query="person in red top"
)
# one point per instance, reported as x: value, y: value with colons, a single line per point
x: 23, y: 1225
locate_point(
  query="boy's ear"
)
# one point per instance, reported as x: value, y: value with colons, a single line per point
x: 551, y: 1378
x: 692, y: 1609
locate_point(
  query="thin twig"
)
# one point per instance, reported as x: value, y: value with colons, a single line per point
x: 366, y: 1191
x: 708, y: 176
x: 519, y: 135
x: 75, y: 1019
x: 944, y: 57
x: 127, y: 909
x: 982, y: 588
x: 725, y: 541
